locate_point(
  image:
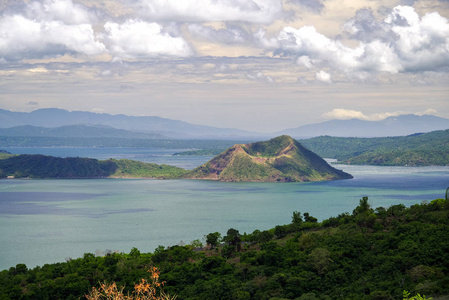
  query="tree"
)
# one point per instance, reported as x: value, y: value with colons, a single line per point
x: 319, y: 259
x: 296, y: 218
x: 280, y: 231
x: 309, y: 218
x: 196, y: 244
x: 232, y: 238
x: 213, y: 239
x: 134, y: 253
x: 363, y: 207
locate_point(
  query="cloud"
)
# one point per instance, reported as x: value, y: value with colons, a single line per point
x: 347, y: 114
x: 259, y: 76
x: 323, y: 77
x: 364, y: 27
x: 311, y: 5
x: 21, y: 37
x: 252, y: 11
x: 429, y: 111
x: 51, y: 27
x: 60, y: 10
x: 137, y: 38
x: 230, y: 35
x: 403, y: 42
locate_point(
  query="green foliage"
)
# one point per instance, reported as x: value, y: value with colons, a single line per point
x: 213, y: 239
x: 271, y: 148
x: 5, y: 154
x: 340, y: 258
x: 41, y: 166
x: 406, y: 296
x: 280, y: 159
x: 137, y: 169
x: 416, y: 150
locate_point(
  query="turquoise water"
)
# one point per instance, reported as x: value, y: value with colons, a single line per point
x: 47, y: 221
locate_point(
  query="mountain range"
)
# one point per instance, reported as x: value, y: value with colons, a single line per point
x: 53, y: 122
x: 167, y: 128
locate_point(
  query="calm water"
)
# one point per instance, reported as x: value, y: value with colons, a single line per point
x: 47, y: 221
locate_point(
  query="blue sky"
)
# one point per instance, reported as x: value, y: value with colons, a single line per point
x: 261, y: 65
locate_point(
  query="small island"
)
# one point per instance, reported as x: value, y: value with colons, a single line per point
x: 281, y: 159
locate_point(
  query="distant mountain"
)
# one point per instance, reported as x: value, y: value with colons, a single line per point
x: 280, y: 159
x: 74, y: 131
x: 52, y: 117
x: 392, y: 126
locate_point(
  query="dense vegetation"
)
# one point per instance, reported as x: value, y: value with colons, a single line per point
x: 42, y: 166
x: 279, y: 159
x: 414, y: 150
x: 367, y: 254
x: 137, y: 169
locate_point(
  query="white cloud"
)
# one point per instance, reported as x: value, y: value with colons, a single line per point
x: 304, y: 61
x: 403, y: 42
x: 253, y: 11
x: 344, y: 114
x: 323, y: 77
x: 60, y: 10
x: 429, y: 111
x: 423, y: 44
x: 263, y: 41
x: 312, y: 46
x: 47, y: 28
x: 347, y: 114
x: 21, y: 37
x: 136, y: 38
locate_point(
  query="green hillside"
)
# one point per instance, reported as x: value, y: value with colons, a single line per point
x: 414, y: 150
x: 367, y: 254
x: 279, y: 159
x: 42, y: 166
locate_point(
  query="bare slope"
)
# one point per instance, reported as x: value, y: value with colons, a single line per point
x: 280, y: 159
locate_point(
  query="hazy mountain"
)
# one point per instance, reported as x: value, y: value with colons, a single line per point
x: 392, y: 126
x: 280, y: 159
x: 156, y: 127
x: 72, y: 131
x: 52, y: 117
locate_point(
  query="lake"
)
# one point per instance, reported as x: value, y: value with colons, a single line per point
x: 47, y: 221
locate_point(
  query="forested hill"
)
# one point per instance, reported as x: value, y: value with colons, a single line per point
x: 364, y: 255
x: 42, y: 166
x: 413, y: 150
x: 281, y: 159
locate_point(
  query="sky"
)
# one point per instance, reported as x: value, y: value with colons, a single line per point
x: 260, y: 65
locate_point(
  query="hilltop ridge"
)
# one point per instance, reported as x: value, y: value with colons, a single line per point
x: 281, y: 159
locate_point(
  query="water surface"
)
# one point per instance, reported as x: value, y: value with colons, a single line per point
x: 47, y: 221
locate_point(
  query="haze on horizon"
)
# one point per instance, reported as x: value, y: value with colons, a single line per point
x: 261, y: 65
